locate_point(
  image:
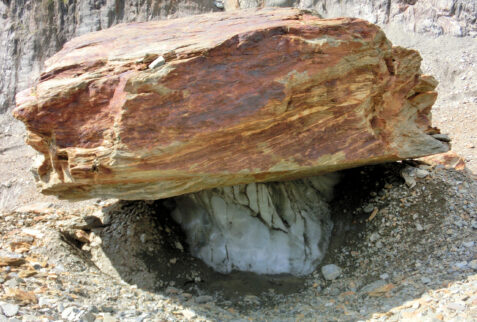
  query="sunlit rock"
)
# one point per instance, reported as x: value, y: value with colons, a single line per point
x: 160, y: 109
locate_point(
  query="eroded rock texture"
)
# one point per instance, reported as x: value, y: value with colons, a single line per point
x: 268, y: 228
x: 249, y: 96
x: 33, y: 30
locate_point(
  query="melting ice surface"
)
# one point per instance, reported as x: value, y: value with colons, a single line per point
x: 266, y: 228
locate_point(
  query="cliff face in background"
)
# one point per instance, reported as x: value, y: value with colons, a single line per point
x: 33, y: 30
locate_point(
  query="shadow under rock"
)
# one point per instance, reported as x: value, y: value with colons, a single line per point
x: 142, y: 245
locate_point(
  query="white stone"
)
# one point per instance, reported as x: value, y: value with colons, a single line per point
x: 268, y: 228
x: 473, y: 264
x: 157, y: 62
x: 71, y: 313
x: 331, y: 272
x: 10, y: 309
x: 421, y: 173
x: 469, y: 244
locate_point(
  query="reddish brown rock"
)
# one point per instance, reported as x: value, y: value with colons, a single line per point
x: 241, y: 97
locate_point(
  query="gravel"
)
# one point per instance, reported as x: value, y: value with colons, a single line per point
x: 390, y: 269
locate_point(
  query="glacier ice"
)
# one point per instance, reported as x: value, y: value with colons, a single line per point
x: 266, y: 228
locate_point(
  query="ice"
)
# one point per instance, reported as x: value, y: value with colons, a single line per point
x: 266, y: 228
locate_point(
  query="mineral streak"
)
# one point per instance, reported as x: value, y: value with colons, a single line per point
x: 241, y: 97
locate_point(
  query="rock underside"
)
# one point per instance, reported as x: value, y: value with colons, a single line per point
x: 233, y: 98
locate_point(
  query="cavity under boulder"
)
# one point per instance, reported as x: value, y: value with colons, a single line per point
x: 267, y: 228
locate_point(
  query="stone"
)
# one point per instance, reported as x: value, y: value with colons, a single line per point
x: 270, y: 228
x: 371, y: 287
x: 473, y: 264
x: 456, y: 306
x: 10, y: 309
x: 425, y: 280
x: 203, y: 299
x: 384, y: 276
x: 87, y: 317
x: 461, y: 265
x: 157, y: 62
x: 310, y: 96
x: 421, y: 173
x: 468, y: 244
x: 369, y: 208
x: 71, y: 313
x: 331, y: 272
x: 448, y: 160
x: 11, y: 260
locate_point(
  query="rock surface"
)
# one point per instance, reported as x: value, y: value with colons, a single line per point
x: 33, y: 30
x: 242, y: 97
x: 263, y: 228
x: 436, y: 17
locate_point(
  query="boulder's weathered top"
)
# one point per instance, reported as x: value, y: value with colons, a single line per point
x: 240, y: 97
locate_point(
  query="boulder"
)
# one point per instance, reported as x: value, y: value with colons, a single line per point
x: 266, y: 228
x: 160, y: 109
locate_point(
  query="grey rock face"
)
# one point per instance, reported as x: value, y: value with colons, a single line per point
x: 33, y: 30
x: 437, y: 17
x: 267, y: 228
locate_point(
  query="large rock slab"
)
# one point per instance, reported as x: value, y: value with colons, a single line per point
x: 241, y: 97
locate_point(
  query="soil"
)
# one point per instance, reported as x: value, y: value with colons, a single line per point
x: 416, y: 258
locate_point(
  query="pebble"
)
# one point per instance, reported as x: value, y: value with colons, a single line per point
x: 473, y: 264
x: 425, y: 280
x: 373, y: 286
x: 9, y: 309
x: 421, y: 173
x: 203, y: 299
x: 157, y: 62
x: 88, y: 317
x: 331, y: 271
x: 461, y: 265
x: 456, y: 306
x: 419, y: 227
x: 71, y: 313
x: 369, y: 208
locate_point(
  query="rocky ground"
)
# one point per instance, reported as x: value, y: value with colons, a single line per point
x: 399, y: 253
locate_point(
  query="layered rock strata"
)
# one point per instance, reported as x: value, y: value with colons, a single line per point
x: 160, y: 109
